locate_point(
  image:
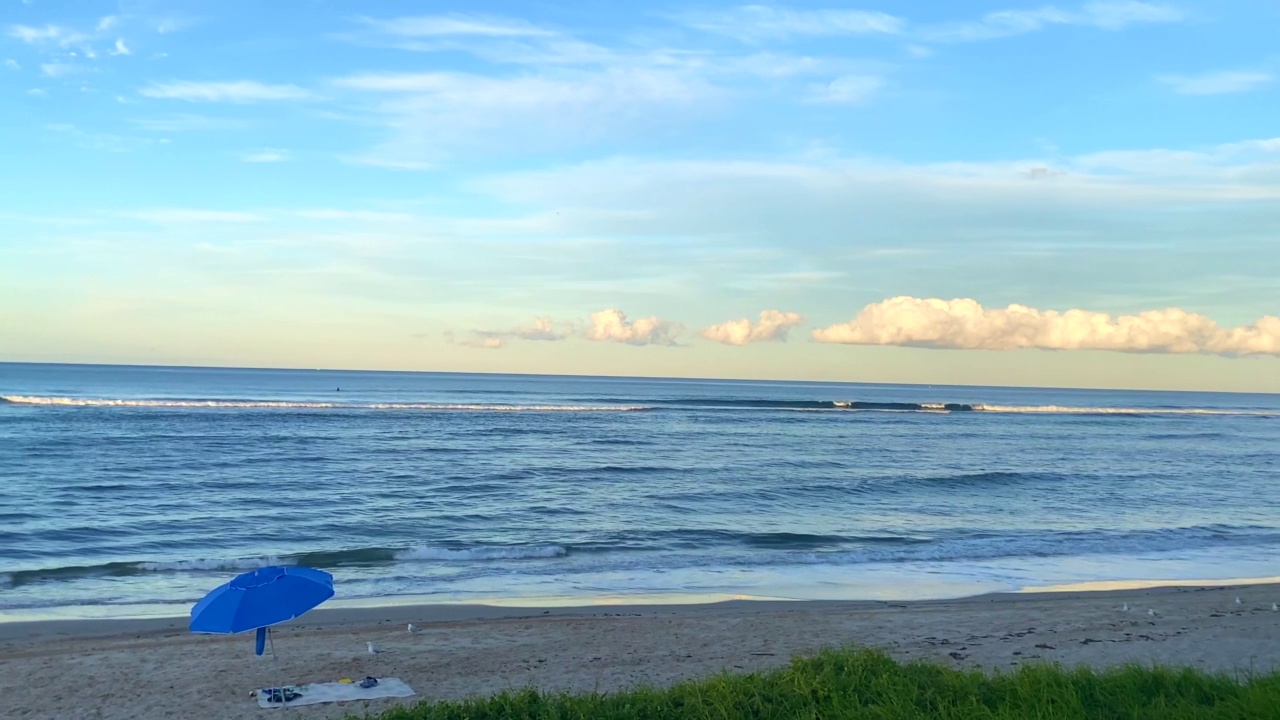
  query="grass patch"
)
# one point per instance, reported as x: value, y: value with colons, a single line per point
x: 868, y: 684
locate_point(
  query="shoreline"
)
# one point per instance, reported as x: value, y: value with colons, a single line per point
x: 131, y: 669
x: 409, y: 608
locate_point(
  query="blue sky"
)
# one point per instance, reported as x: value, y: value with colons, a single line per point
x: 626, y: 188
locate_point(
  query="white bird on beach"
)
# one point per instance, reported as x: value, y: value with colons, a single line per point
x: 1238, y: 600
x: 372, y: 650
x: 1126, y: 607
x: 1152, y: 612
x: 412, y: 629
x: 1275, y: 607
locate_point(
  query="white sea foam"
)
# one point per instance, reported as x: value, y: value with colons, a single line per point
x: 197, y: 565
x: 1068, y: 410
x: 495, y: 552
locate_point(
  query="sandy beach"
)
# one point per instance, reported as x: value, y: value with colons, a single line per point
x: 155, y: 669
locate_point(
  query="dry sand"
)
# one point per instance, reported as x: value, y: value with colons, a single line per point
x: 155, y: 669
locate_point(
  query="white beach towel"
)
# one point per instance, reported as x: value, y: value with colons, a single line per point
x: 340, y: 692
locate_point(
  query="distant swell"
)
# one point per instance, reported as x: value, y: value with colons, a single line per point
x: 299, y: 405
x: 621, y: 405
x: 331, y: 559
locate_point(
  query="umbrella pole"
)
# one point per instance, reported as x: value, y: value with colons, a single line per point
x: 284, y: 701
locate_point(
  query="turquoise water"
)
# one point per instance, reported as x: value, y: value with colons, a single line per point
x: 122, y: 487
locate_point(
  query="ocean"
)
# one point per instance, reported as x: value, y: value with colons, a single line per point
x: 130, y: 491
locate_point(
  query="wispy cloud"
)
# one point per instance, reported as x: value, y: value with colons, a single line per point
x: 751, y: 23
x: 1108, y: 15
x: 1217, y: 83
x: 239, y: 91
x: 190, y: 215
x: 772, y: 327
x: 12, y: 64
x: 62, y: 69
x: 120, y: 48
x: 108, y: 22
x: 356, y: 215
x: 431, y: 115
x: 185, y: 122
x: 104, y: 142
x: 482, y: 342
x: 612, y: 325
x: 47, y: 35
x: 269, y: 155
x: 542, y: 328
x: 847, y: 90
x: 965, y: 324
x: 453, y: 25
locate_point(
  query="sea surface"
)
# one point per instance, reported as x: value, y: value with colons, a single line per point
x: 134, y: 490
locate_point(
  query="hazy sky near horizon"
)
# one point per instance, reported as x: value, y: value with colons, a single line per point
x: 971, y: 192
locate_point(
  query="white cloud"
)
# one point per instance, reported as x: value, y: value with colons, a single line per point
x: 184, y: 122
x: 266, y: 156
x: 758, y: 22
x: 12, y: 64
x: 186, y: 215
x: 847, y: 90
x: 964, y: 324
x: 613, y: 326
x: 106, y: 142
x: 120, y: 48
x: 430, y: 115
x: 482, y: 342
x: 47, y: 35
x: 240, y: 91
x: 37, y: 92
x: 1112, y: 16
x: 107, y: 23
x: 358, y: 215
x: 1217, y: 83
x: 447, y: 25
x: 61, y: 69
x: 772, y: 327
x: 543, y: 328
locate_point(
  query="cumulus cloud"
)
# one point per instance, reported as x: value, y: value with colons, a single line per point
x: 965, y: 324
x: 772, y: 327
x: 612, y: 325
x: 120, y: 48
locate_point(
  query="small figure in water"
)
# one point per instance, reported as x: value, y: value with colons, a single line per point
x: 338, y: 389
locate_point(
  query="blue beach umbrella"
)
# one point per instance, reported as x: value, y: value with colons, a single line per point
x: 259, y: 599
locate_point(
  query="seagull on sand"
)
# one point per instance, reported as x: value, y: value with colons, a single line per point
x: 1126, y: 607
x: 412, y: 629
x: 1275, y: 607
x: 1238, y: 600
x: 1152, y: 612
x: 372, y: 650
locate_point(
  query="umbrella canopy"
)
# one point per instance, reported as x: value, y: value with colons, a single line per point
x: 261, y: 598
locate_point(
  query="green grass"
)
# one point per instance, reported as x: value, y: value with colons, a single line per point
x: 868, y: 684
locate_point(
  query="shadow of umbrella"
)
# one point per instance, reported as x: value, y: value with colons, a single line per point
x: 259, y: 599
